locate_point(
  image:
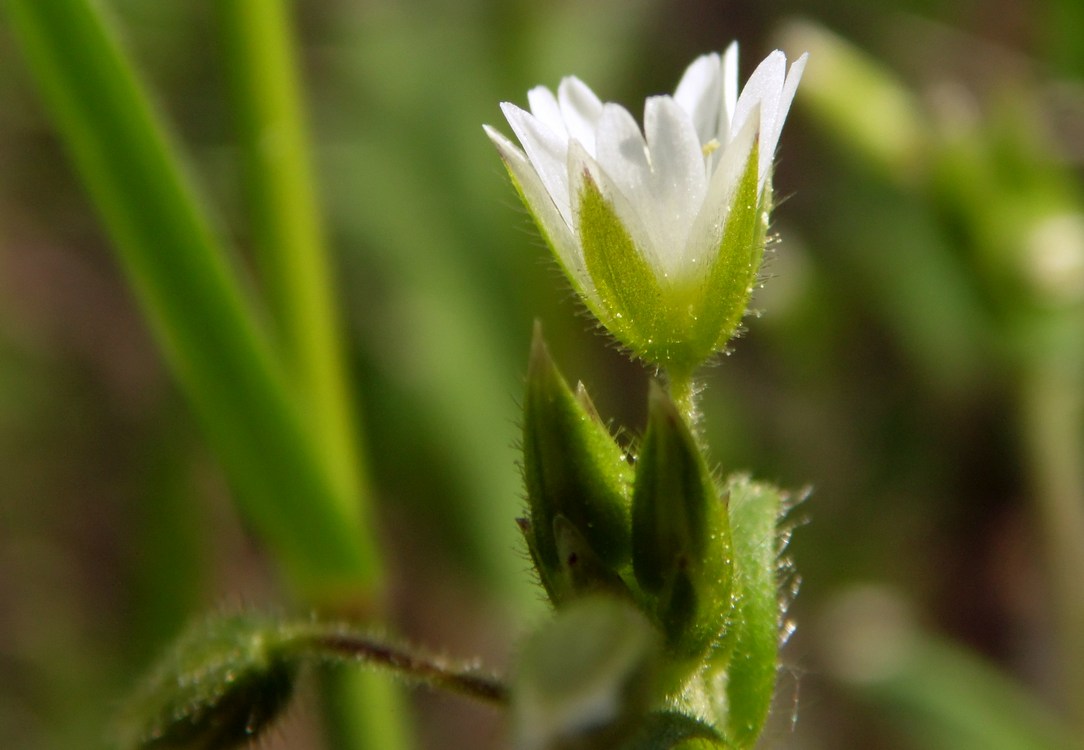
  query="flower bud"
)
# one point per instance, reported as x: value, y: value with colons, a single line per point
x: 222, y: 684
x: 577, y: 480
x: 680, y: 533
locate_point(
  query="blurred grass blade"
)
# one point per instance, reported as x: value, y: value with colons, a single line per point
x: 195, y: 306
x: 944, y: 697
x: 957, y: 702
x: 287, y: 234
x: 363, y: 708
x: 881, y: 122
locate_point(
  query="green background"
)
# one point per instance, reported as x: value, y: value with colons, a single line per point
x: 906, y: 367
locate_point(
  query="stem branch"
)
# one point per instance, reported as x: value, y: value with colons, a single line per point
x: 422, y: 668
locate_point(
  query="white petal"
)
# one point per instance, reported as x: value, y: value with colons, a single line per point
x: 548, y: 154
x: 558, y: 232
x: 678, y: 176
x: 729, y: 97
x: 764, y: 87
x: 699, y: 94
x: 580, y: 109
x: 581, y: 166
x: 622, y: 154
x: 765, y: 84
x: 769, y: 138
x: 544, y: 106
x: 707, y: 230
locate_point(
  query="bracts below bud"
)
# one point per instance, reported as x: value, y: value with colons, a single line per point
x: 577, y: 480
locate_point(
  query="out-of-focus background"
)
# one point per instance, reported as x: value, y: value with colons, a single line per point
x: 915, y: 366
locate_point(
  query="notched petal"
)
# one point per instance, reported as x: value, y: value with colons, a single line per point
x: 699, y: 94
x: 769, y: 139
x: 544, y: 106
x: 730, y: 93
x: 580, y: 109
x: 764, y: 87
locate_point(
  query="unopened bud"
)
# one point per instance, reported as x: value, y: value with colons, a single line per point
x: 573, y: 470
x: 680, y: 531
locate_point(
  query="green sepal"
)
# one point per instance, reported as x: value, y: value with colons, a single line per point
x: 631, y: 299
x: 587, y: 678
x: 681, y: 551
x: 574, y: 469
x: 730, y: 280
x: 548, y: 576
x: 753, y: 650
x: 676, y: 323
x: 223, y: 682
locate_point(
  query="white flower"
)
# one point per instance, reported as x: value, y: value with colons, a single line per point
x: 660, y: 230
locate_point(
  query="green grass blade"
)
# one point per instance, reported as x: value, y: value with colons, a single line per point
x: 194, y: 304
x: 286, y: 225
x: 938, y: 694
x: 364, y: 709
x: 949, y: 699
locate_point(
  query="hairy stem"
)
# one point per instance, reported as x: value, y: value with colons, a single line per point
x: 457, y: 678
x: 683, y: 392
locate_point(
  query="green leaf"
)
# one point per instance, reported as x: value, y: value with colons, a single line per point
x: 754, y: 638
x: 864, y: 104
x: 954, y: 701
